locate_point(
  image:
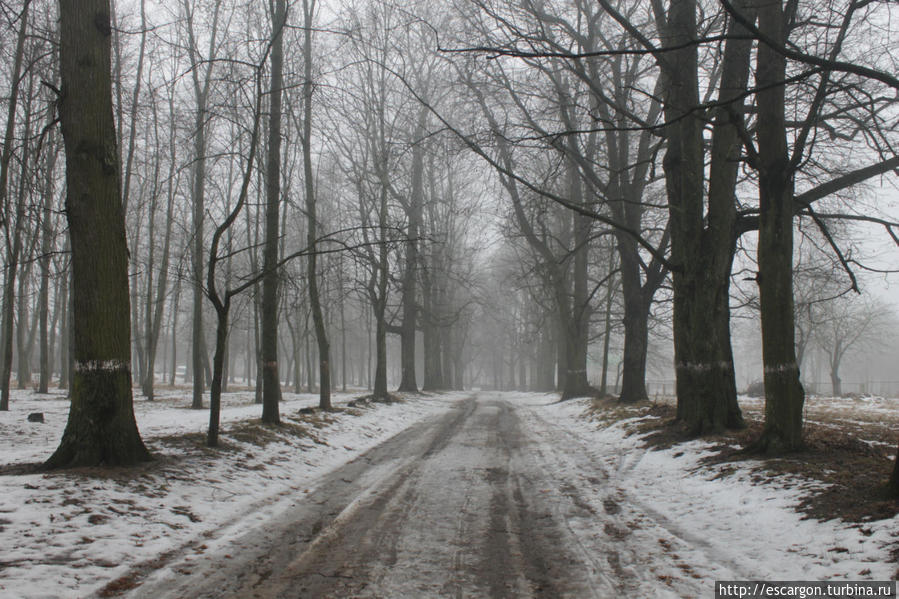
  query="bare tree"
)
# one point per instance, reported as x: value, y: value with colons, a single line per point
x: 321, y: 333
x: 271, y: 382
x: 156, y: 303
x: 221, y: 301
x: 844, y: 325
x: 12, y: 223
x: 101, y: 428
x: 201, y: 77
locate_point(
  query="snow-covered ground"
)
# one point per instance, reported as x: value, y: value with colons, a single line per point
x: 720, y: 525
x: 69, y: 534
x: 656, y: 523
x: 871, y: 418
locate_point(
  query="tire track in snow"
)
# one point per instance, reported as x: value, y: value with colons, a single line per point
x: 624, y: 507
x: 452, y: 507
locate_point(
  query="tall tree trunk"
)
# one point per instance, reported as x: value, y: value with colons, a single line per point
x: 458, y: 383
x: 310, y: 371
x: 318, y: 319
x: 135, y: 99
x: 784, y: 395
x: 54, y: 329
x: 9, y: 294
x: 522, y: 368
x: 408, y: 380
x: 23, y: 351
x: 9, y: 135
x: 158, y: 304
x: 446, y: 355
x: 296, y: 338
x: 836, y: 384
x: 101, y: 428
x: 65, y: 319
x: 636, y: 342
x: 380, y: 385
x: 46, y: 350
x: 607, y: 332
x: 134, y: 278
x: 215, y: 391
x: 145, y: 374
x: 44, y: 311
x: 343, y: 356
x: 199, y: 356
x: 544, y: 362
x: 379, y: 303
x: 197, y: 345
x: 13, y: 227
x: 576, y: 383
x: 368, y: 352
x: 271, y: 380
x: 430, y: 346
x: 69, y: 340
x: 561, y: 339
x: 628, y: 180
x: 176, y: 300
x: 702, y: 245
x: 139, y: 338
x: 222, y: 302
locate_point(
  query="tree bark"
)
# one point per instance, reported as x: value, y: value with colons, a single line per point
x: 222, y: 302
x: 44, y: 292
x: 135, y: 98
x: 784, y: 395
x: 379, y: 390
x: 215, y: 389
x: 134, y: 278
x: 199, y: 357
x: 431, y: 346
x: 836, y: 384
x: 23, y: 347
x: 13, y: 257
x: 101, y: 428
x: 576, y: 383
x: 271, y: 381
x: 702, y: 245
x: 26, y: 239
x: 636, y: 345
x: 154, y: 331
x: 607, y: 332
x: 318, y: 319
x: 343, y: 356
x: 379, y: 303
x: 408, y: 380
x: 65, y: 329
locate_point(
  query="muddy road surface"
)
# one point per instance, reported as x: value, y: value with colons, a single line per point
x: 477, y: 502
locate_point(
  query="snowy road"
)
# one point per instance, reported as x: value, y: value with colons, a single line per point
x: 511, y: 495
x: 461, y: 505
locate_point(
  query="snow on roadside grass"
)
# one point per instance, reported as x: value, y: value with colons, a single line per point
x: 67, y: 534
x: 744, y: 525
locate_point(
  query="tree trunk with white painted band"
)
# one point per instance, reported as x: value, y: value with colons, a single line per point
x: 101, y: 428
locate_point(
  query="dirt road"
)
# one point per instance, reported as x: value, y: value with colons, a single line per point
x: 473, y: 503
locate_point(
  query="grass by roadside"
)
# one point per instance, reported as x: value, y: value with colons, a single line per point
x: 850, y: 445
